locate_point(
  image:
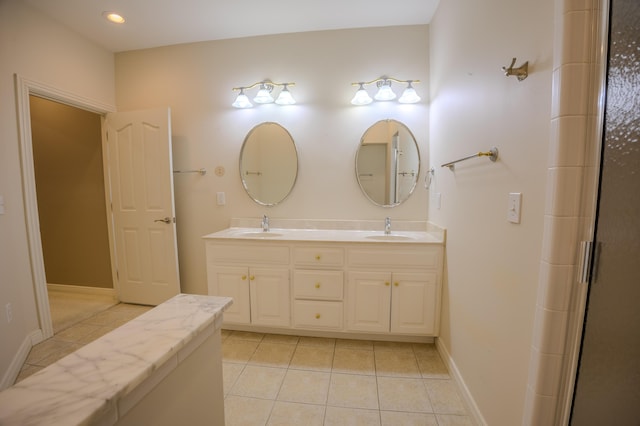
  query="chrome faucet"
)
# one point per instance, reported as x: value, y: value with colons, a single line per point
x: 265, y: 223
x: 387, y: 225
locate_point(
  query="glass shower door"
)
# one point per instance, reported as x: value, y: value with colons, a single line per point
x: 608, y: 383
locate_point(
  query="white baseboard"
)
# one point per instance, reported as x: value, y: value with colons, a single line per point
x: 78, y: 289
x: 472, y: 407
x: 20, y: 357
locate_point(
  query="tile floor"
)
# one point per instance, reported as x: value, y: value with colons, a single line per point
x: 274, y: 379
x: 288, y: 380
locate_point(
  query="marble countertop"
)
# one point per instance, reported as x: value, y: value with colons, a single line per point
x: 87, y: 386
x: 332, y: 231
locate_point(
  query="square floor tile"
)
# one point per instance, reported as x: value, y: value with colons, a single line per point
x: 318, y: 358
x: 338, y: 416
x: 280, y: 338
x: 230, y: 373
x: 397, y: 364
x: 272, y: 354
x: 292, y: 413
x: 317, y: 341
x: 241, y: 411
x: 400, y: 394
x: 353, y: 361
x: 444, y: 397
x: 238, y: 350
x: 354, y: 344
x: 430, y: 363
x: 77, y: 332
x: 353, y: 391
x: 44, y: 349
x: 259, y: 382
x: 453, y: 420
x: 305, y: 386
x: 246, y: 335
x: 392, y: 346
x: 398, y: 418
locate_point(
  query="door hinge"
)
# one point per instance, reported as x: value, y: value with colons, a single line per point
x: 584, y: 266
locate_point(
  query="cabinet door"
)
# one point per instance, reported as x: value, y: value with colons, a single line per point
x: 413, y: 303
x: 232, y: 282
x: 369, y: 301
x: 270, y: 297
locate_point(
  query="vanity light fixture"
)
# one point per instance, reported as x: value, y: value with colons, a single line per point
x: 264, y: 94
x: 385, y: 92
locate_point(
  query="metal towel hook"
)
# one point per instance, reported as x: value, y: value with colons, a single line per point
x: 520, y: 72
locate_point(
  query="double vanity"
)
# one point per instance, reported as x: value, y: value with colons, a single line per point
x: 351, y: 279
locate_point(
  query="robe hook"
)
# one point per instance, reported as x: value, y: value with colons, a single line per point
x: 520, y: 72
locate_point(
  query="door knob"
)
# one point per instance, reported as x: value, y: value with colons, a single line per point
x: 165, y: 220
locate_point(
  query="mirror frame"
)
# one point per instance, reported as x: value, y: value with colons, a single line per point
x: 417, y: 176
x: 242, y: 151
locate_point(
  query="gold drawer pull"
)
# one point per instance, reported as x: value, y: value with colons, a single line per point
x: 387, y: 283
x: 396, y: 284
x: 317, y: 316
x: 252, y: 277
x: 244, y: 277
x: 317, y: 285
x: 318, y: 257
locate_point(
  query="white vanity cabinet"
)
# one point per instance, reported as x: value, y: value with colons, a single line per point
x: 259, y: 284
x: 392, y: 302
x: 356, y: 287
x: 394, y: 291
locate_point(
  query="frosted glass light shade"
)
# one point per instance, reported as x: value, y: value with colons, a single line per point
x: 361, y: 97
x: 285, y: 98
x: 385, y: 93
x: 409, y: 96
x: 242, y: 101
x: 263, y: 96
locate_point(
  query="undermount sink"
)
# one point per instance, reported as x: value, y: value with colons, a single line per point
x: 389, y: 237
x: 263, y: 234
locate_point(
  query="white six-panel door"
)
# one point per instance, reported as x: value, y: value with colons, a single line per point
x: 141, y: 185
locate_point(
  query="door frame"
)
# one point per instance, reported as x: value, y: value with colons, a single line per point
x: 25, y: 88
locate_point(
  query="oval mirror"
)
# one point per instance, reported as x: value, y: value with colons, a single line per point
x: 388, y: 163
x: 268, y: 163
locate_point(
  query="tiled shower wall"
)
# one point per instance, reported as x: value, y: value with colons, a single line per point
x: 570, y: 206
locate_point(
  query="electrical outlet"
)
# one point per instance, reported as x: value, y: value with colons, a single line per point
x: 9, y: 312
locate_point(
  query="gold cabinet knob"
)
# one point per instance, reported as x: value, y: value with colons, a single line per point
x: 318, y: 257
x: 317, y: 316
x: 387, y: 283
x: 244, y: 277
x: 396, y: 284
x: 317, y: 285
x: 252, y: 277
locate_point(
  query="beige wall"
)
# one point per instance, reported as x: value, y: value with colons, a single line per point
x: 492, y: 265
x: 38, y: 49
x: 195, y: 80
x: 67, y: 154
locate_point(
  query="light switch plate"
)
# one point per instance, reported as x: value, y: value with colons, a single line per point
x: 220, y: 198
x: 515, y: 205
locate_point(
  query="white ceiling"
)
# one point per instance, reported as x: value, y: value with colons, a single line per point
x: 153, y: 23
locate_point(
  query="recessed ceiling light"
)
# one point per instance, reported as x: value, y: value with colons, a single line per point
x: 113, y: 17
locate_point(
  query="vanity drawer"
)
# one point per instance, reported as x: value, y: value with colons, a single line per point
x: 324, y: 285
x: 313, y: 314
x: 393, y: 257
x: 318, y: 256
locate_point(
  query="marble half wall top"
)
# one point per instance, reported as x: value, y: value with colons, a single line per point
x: 88, y: 386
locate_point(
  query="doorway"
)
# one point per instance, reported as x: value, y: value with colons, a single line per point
x: 69, y: 175
x: 606, y: 390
